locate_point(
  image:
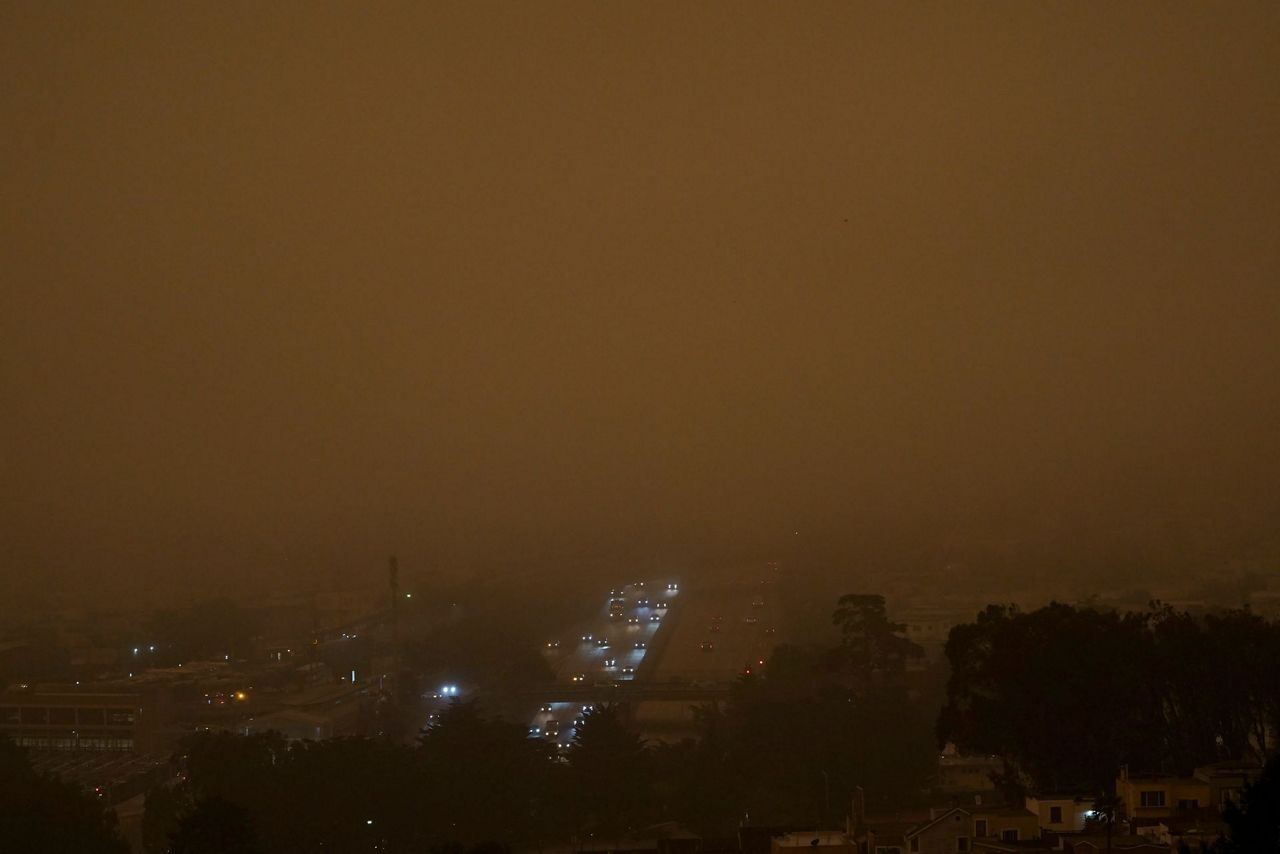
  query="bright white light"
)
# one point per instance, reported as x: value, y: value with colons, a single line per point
x: 135, y: 650
x: 408, y: 595
x: 152, y: 647
x: 368, y: 821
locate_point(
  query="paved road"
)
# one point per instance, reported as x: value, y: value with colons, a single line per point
x: 580, y: 660
x: 722, y: 630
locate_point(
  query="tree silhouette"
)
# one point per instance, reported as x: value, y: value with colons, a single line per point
x: 1254, y: 823
x: 872, y: 650
x: 215, y: 826
x: 610, y: 772
x: 43, y: 815
x: 488, y: 779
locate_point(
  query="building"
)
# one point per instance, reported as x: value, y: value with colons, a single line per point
x: 1005, y: 823
x: 1155, y: 798
x: 961, y: 775
x: 69, y: 717
x: 1148, y: 798
x: 946, y: 833
x: 826, y: 841
x: 1061, y: 813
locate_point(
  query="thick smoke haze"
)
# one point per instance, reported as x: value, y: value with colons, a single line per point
x: 548, y: 287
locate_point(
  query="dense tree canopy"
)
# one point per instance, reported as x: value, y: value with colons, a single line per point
x: 1255, y: 822
x: 1069, y: 694
x: 42, y: 815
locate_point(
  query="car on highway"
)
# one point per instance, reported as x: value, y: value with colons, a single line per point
x: 546, y: 707
x: 611, y: 662
x: 578, y: 677
x: 616, y: 609
x: 757, y: 602
x: 553, y: 644
x: 615, y: 592
x: 751, y: 618
x: 661, y: 606
x: 638, y: 645
x: 633, y: 621
x: 578, y: 722
x: 673, y: 587
x: 770, y: 630
x: 707, y: 646
x: 602, y: 643
x: 551, y: 728
x: 588, y: 638
x: 642, y: 602
x: 715, y: 627
x: 655, y: 618
x: 535, y: 731
x: 628, y: 671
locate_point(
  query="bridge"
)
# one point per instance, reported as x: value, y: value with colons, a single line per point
x: 631, y: 692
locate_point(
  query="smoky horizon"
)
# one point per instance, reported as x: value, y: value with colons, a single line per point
x: 973, y: 291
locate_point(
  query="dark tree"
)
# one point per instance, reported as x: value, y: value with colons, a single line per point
x: 215, y: 826
x: 1255, y: 822
x: 1049, y: 689
x: 42, y: 815
x: 487, y: 778
x: 165, y: 807
x: 610, y: 772
x: 872, y: 650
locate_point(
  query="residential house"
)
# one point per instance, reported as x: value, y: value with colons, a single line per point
x: 823, y: 841
x: 1006, y: 823
x: 1061, y: 813
x: 949, y: 832
x: 959, y: 774
x: 1149, y: 798
x: 1128, y: 844
x: 1226, y: 780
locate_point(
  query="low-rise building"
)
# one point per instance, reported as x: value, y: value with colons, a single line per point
x: 826, y: 841
x: 1148, y: 798
x: 1061, y: 813
x: 959, y: 774
x: 1006, y: 823
x: 948, y: 832
x: 71, y: 717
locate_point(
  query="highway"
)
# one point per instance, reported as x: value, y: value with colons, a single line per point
x: 607, y: 650
x: 722, y: 631
x: 701, y: 642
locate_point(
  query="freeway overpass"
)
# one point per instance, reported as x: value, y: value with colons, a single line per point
x: 631, y: 692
